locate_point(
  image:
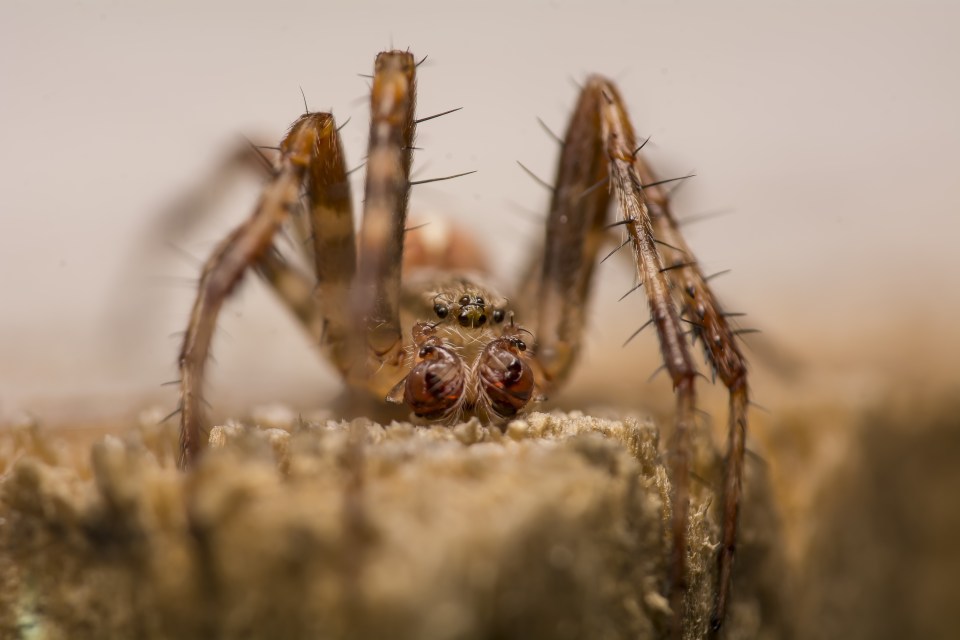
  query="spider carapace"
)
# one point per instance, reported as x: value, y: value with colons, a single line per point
x: 446, y: 344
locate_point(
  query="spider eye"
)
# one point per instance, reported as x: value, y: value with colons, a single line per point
x: 505, y: 379
x: 498, y: 315
x: 465, y: 300
x: 479, y: 301
x: 441, y: 310
x: 434, y: 387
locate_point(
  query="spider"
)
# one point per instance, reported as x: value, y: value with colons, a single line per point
x: 467, y: 349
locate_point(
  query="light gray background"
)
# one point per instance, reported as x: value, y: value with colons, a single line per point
x: 830, y: 131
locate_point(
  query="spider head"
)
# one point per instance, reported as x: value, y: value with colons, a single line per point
x: 468, y: 306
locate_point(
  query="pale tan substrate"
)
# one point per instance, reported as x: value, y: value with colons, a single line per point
x: 879, y: 553
x: 553, y: 529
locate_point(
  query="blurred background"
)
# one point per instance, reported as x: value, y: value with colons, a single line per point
x: 824, y: 138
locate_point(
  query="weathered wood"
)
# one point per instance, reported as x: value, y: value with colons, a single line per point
x: 556, y: 528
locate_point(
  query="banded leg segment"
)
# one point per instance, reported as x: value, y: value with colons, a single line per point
x: 376, y: 295
x: 330, y: 214
x: 599, y: 147
x: 711, y: 328
x: 230, y: 260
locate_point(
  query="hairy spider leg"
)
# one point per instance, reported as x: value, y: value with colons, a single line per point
x: 620, y: 144
x: 329, y: 210
x: 711, y: 327
x: 318, y: 301
x: 598, y: 148
x: 323, y: 234
x: 242, y: 248
x: 574, y: 234
x: 376, y: 293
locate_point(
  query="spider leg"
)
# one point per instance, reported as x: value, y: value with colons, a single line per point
x: 322, y: 233
x: 723, y: 353
x: 296, y: 290
x: 574, y: 235
x: 600, y: 145
x: 242, y: 158
x: 376, y: 292
x: 329, y: 212
x: 322, y: 229
x: 226, y: 266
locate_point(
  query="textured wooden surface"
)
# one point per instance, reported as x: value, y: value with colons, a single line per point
x: 553, y: 529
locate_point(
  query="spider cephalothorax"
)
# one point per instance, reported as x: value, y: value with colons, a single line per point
x: 445, y: 343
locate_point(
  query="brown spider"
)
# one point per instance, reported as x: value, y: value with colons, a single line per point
x: 465, y: 350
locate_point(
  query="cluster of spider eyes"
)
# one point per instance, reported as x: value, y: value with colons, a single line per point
x: 468, y: 317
